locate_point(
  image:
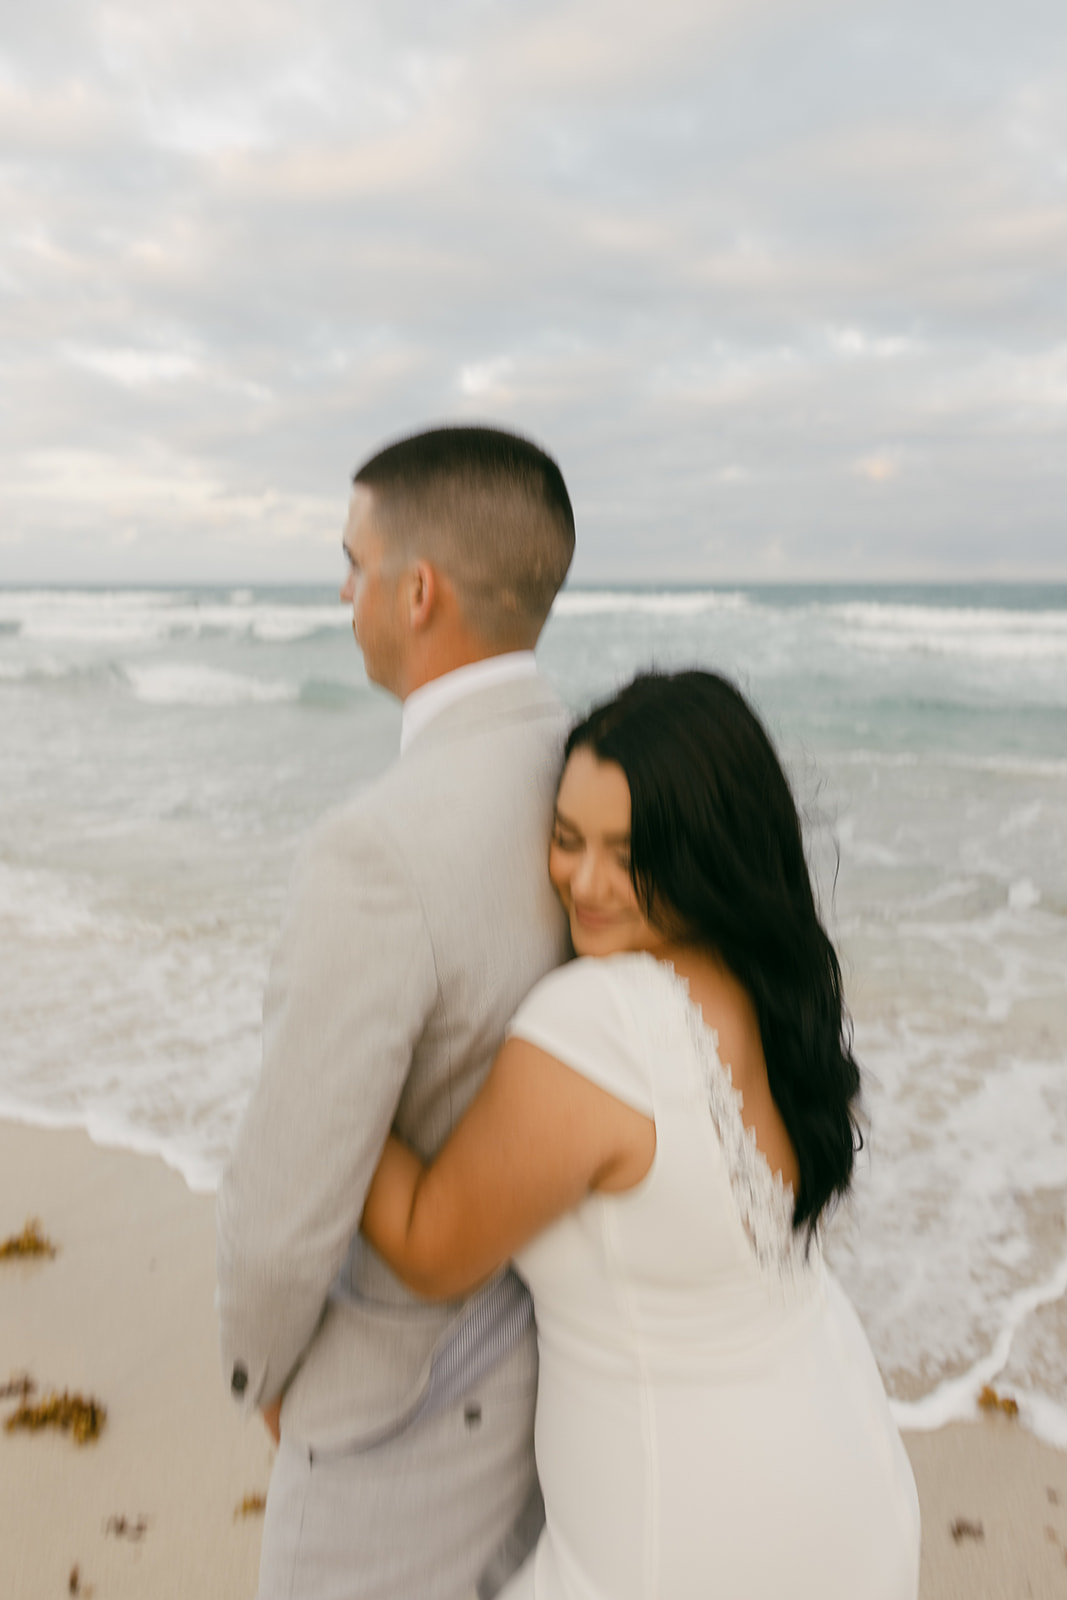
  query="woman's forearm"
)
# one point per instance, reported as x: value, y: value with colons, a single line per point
x: 529, y: 1147
x: 390, y: 1205
x: 415, y: 1235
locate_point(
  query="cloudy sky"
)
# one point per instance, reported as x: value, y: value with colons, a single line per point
x: 782, y: 283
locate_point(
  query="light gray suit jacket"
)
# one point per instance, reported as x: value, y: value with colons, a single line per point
x: 419, y: 915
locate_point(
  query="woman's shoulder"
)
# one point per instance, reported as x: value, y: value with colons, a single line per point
x: 580, y: 1014
x: 582, y: 980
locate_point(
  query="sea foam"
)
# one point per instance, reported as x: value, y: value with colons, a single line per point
x: 138, y: 617
x: 174, y: 684
x: 610, y: 602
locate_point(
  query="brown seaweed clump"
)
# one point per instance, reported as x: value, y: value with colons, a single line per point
x: 990, y: 1400
x: 30, y: 1242
x: 253, y: 1505
x: 71, y: 1413
x: 18, y: 1388
x: 123, y: 1527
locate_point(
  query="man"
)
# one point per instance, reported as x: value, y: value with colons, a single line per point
x: 419, y: 915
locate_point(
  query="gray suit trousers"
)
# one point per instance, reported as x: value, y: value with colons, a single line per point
x: 418, y: 1516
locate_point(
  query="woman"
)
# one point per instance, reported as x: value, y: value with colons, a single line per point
x: 656, y: 1144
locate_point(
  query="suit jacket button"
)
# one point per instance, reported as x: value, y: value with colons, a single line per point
x: 239, y: 1381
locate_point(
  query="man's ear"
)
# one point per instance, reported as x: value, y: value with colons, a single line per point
x: 422, y: 594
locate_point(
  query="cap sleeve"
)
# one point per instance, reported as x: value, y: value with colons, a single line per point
x: 579, y: 1015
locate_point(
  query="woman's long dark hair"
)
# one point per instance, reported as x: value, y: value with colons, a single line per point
x: 717, y: 859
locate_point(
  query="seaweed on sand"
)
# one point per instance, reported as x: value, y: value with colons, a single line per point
x: 990, y: 1400
x: 71, y: 1413
x: 18, y: 1388
x: 30, y: 1242
x: 123, y: 1527
x: 253, y: 1505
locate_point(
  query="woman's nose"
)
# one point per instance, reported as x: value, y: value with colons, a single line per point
x: 587, y: 875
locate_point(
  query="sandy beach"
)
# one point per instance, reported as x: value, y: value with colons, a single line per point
x: 153, y: 1508
x: 123, y: 1312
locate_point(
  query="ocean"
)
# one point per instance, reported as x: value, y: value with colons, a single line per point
x: 164, y: 750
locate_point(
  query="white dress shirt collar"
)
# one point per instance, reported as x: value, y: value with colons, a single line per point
x: 423, y: 705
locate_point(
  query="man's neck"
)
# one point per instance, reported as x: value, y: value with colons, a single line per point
x: 434, y: 655
x: 441, y: 660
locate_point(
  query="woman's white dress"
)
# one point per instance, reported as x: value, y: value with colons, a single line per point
x: 710, y: 1419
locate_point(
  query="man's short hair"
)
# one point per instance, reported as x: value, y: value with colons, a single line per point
x: 491, y: 510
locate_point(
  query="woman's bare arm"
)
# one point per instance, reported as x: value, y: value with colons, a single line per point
x: 536, y: 1140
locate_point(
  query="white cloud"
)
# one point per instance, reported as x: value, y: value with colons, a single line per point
x: 876, y: 468
x: 482, y: 379
x: 856, y: 342
x: 134, y: 369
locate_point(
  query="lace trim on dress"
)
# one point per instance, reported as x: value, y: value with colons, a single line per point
x: 764, y: 1200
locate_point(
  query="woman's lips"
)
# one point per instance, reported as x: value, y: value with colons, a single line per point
x: 587, y: 918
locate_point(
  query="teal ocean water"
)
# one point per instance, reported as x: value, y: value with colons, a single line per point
x: 163, y: 751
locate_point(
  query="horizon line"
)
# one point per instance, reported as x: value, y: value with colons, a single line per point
x: 583, y: 584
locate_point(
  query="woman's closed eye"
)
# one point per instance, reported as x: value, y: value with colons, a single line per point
x: 566, y: 838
